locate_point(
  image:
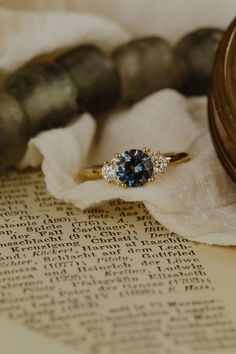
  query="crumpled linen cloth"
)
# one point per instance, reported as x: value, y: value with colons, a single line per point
x: 195, y: 199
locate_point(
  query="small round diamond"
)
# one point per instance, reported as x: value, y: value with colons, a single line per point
x: 133, y: 168
x: 160, y: 163
x: 108, y: 171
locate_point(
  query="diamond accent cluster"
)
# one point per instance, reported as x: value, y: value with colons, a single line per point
x: 160, y: 163
x: 108, y: 171
x: 134, y: 167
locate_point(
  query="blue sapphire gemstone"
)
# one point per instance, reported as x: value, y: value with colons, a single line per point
x: 134, y: 168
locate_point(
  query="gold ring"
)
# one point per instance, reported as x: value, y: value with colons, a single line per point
x: 134, y: 167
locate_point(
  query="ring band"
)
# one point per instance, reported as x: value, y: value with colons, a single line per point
x: 134, y: 167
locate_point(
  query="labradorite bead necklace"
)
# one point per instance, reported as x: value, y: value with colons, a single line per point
x: 44, y: 95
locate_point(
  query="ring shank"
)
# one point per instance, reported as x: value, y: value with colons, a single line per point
x: 90, y: 174
x: 94, y: 173
x: 177, y: 157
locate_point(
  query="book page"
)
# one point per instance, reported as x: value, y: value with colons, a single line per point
x: 18, y: 339
x: 110, y: 279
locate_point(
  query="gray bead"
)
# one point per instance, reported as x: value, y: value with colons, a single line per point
x: 14, y: 128
x: 195, y: 53
x: 145, y: 65
x: 46, y: 94
x: 94, y: 76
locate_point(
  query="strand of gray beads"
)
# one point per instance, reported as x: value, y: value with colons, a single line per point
x: 195, y: 54
x: 49, y: 95
x: 46, y: 95
x: 94, y: 76
x: 145, y: 65
x: 14, y: 128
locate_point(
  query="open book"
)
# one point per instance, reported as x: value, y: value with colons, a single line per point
x: 108, y: 280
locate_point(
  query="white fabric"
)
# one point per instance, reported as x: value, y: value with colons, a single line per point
x: 195, y: 199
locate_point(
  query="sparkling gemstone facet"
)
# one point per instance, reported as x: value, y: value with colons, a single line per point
x: 133, y: 168
x: 108, y: 171
x: 160, y: 163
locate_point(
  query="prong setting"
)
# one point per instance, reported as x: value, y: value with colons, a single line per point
x: 116, y: 155
x: 147, y: 151
x: 151, y: 179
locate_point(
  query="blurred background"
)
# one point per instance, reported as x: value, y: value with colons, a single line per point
x: 144, y: 16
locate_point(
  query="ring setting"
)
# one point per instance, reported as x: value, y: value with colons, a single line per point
x: 134, y: 167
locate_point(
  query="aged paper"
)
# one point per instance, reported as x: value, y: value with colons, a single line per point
x: 17, y: 339
x: 110, y: 279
